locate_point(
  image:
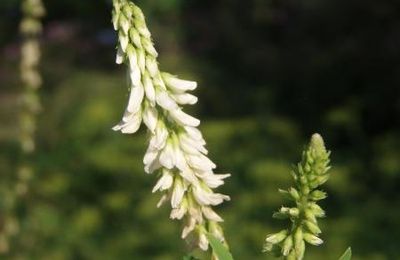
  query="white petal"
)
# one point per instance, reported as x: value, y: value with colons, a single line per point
x: 165, y: 101
x: 161, y: 135
x: 163, y: 199
x: 151, y: 65
x: 189, y: 175
x: 194, y: 133
x: 130, y: 126
x: 183, y: 118
x: 141, y: 60
x: 155, y: 165
x: 200, y: 162
x: 135, y: 76
x: 123, y: 40
x: 211, y: 215
x: 177, y: 194
x: 164, y: 183
x: 120, y: 56
x: 208, y: 198
x: 178, y: 213
x: 150, y: 118
x: 189, y: 227
x: 178, y: 85
x: 185, y: 99
x: 167, y: 158
x: 150, y: 155
x: 203, y: 242
x: 214, y: 180
x: 130, y: 51
x: 135, y: 98
x: 187, y: 142
x: 180, y: 160
x: 149, y: 89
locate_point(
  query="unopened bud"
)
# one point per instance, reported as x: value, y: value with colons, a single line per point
x: 313, y: 227
x: 312, y: 239
x: 277, y: 237
x: 318, y: 195
x: 287, y: 246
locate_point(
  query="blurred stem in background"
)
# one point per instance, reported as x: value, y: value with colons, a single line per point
x: 30, y: 29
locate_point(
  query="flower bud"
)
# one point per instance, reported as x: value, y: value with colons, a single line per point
x: 313, y: 227
x: 287, y: 246
x: 277, y: 237
x: 317, y: 195
x: 312, y: 239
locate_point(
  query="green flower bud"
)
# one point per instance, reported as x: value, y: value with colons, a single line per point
x: 135, y: 38
x: 317, y: 195
x: 287, y: 246
x: 312, y: 239
x: 317, y: 210
x: 277, y: 237
x: 313, y: 227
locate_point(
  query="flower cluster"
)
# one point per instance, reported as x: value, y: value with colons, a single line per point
x: 176, y: 149
x: 30, y: 29
x: 308, y: 175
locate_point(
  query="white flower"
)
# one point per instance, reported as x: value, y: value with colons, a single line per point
x: 211, y: 215
x: 120, y: 56
x: 184, y: 119
x: 191, y: 145
x: 165, y: 182
x: 203, y: 241
x: 163, y: 199
x: 167, y: 158
x: 194, y: 133
x: 177, y: 193
x: 179, y: 212
x: 135, y: 98
x: 150, y: 155
x: 141, y: 60
x: 200, y: 162
x: 151, y: 65
x: 214, y: 180
x: 189, y: 227
x: 208, y: 198
x: 165, y: 101
x: 131, y: 52
x: 160, y: 137
x: 178, y: 85
x: 131, y: 126
x: 185, y: 99
x: 149, y: 89
x: 150, y: 117
x: 123, y: 40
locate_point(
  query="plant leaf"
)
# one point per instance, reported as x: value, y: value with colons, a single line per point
x: 219, y: 249
x: 189, y: 257
x: 346, y: 255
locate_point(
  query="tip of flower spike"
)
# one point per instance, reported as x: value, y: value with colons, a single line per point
x: 317, y: 142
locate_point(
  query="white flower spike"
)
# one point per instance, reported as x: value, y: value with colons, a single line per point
x: 176, y: 148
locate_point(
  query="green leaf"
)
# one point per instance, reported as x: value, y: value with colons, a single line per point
x: 189, y: 257
x: 346, y: 255
x: 219, y: 249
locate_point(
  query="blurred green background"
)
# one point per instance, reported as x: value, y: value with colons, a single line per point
x: 270, y: 73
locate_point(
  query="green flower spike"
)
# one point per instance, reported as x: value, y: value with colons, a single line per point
x: 308, y: 175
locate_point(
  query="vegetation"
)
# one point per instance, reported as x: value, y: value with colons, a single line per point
x: 269, y: 72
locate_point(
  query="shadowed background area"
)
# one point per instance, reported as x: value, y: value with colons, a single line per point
x: 270, y: 73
